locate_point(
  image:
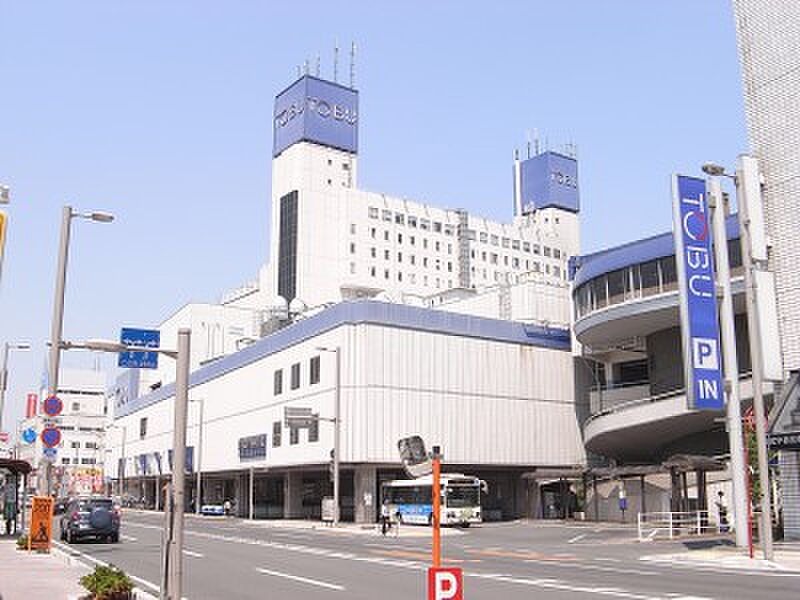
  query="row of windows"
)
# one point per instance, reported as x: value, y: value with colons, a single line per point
x: 437, y: 227
x: 294, y: 376
x: 636, y: 281
x: 89, y: 445
x: 84, y: 461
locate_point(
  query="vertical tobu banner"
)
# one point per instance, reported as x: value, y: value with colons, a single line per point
x: 698, y: 298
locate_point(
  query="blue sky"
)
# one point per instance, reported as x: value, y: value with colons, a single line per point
x: 161, y: 113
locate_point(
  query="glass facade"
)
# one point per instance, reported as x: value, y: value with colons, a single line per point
x: 287, y: 247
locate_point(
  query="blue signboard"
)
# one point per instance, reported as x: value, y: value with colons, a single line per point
x: 549, y: 180
x: 253, y: 447
x: 699, y: 319
x: 189, y: 464
x: 315, y: 110
x: 50, y: 453
x: 29, y: 435
x: 147, y: 338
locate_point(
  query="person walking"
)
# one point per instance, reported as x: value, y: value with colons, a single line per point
x: 723, y: 513
x: 385, y: 515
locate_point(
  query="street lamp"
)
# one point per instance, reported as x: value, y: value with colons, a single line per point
x: 57, y: 325
x: 747, y: 173
x: 120, y: 468
x: 4, y: 372
x: 337, y: 425
x: 172, y: 574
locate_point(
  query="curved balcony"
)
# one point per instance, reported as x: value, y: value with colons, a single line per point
x: 629, y: 424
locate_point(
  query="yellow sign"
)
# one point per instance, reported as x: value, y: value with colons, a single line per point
x: 41, y: 533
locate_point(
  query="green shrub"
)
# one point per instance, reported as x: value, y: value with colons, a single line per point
x: 108, y: 583
x: 22, y: 542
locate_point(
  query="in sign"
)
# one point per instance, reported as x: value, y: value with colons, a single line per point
x: 53, y: 406
x: 445, y: 584
x: 51, y: 437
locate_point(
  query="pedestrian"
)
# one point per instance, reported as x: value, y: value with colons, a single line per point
x: 227, y: 508
x: 723, y: 513
x: 385, y: 524
x: 397, y: 523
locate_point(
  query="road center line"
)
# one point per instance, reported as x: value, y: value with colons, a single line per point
x: 576, y: 538
x: 129, y: 538
x: 194, y: 554
x: 330, y: 586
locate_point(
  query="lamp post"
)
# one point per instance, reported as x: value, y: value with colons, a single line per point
x: 7, y: 347
x: 198, y: 482
x: 57, y: 325
x: 173, y: 564
x: 747, y: 178
x: 337, y: 429
x: 120, y: 467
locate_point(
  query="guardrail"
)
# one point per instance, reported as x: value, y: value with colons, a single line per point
x: 674, y: 524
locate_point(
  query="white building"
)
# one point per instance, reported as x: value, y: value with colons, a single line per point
x: 496, y: 395
x: 80, y: 456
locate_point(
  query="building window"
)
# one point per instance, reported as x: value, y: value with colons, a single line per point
x: 399, y: 257
x: 483, y: 236
x: 556, y: 253
x: 387, y: 216
x: 313, y: 370
x: 352, y: 268
x: 372, y: 252
x: 495, y: 240
x: 295, y: 383
x: 277, y: 382
x: 412, y: 240
x: 386, y: 236
x: 425, y: 243
x: 399, y: 238
x: 373, y: 212
x: 142, y: 428
x: 294, y: 435
x: 424, y: 224
x: 386, y: 273
x: 400, y: 219
x: 91, y: 445
x: 373, y: 232
x: 425, y: 261
x: 372, y: 271
x: 413, y: 260
x: 412, y: 221
x: 399, y: 276
x: 65, y: 461
x: 345, y: 166
x: 437, y: 227
x: 276, y: 434
x: 438, y: 246
x: 78, y: 444
x: 547, y: 251
x: 313, y: 431
x: 287, y: 246
x: 87, y: 461
x: 352, y: 248
x: 449, y: 267
x: 515, y: 244
x: 76, y: 407
x: 526, y: 246
x: 386, y: 254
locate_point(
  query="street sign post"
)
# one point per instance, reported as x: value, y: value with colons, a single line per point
x: 299, y: 417
x: 415, y: 460
x: 146, y: 338
x: 53, y: 406
x: 698, y: 298
x: 29, y: 435
x: 50, y: 454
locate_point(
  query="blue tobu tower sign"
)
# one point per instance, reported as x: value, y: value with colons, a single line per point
x: 549, y: 180
x: 316, y: 110
x: 146, y: 338
x: 698, y: 300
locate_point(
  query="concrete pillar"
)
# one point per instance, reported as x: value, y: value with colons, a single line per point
x: 293, y: 495
x: 521, y: 491
x: 364, y: 482
x: 242, y: 494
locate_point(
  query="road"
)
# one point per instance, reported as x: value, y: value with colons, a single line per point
x: 236, y: 559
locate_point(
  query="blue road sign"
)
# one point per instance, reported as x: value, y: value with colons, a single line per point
x: 146, y: 338
x: 29, y: 435
x: 53, y: 406
x: 50, y: 453
x: 51, y: 436
x: 698, y: 299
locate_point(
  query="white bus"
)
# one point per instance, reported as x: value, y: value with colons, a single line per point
x: 412, y: 499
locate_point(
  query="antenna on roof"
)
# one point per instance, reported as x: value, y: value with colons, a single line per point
x: 536, y: 142
x: 305, y: 67
x: 352, y: 65
x: 528, y: 139
x: 336, y: 61
x: 318, y: 63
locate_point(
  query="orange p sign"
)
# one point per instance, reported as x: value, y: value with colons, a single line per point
x: 445, y: 584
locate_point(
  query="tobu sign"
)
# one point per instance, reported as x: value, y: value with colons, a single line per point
x: 698, y: 301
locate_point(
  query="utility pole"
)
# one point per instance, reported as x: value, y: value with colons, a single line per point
x: 748, y: 180
x: 730, y: 363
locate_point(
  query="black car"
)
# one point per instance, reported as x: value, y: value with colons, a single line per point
x: 94, y: 517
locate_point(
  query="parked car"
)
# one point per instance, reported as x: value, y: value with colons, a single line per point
x: 61, y: 504
x: 94, y: 517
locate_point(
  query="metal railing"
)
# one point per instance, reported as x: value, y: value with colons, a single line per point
x: 674, y: 524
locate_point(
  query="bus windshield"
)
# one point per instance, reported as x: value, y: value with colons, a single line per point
x: 462, y: 496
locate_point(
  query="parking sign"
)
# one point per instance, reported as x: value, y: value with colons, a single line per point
x: 698, y: 298
x: 445, y: 584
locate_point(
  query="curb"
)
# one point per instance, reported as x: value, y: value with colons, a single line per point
x: 70, y: 558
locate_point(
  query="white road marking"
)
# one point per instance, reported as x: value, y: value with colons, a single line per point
x: 606, y: 559
x: 324, y: 584
x: 129, y: 538
x: 578, y: 566
x: 194, y: 554
x: 92, y: 559
x: 576, y: 538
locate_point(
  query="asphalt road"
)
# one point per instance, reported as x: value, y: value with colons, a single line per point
x: 235, y: 559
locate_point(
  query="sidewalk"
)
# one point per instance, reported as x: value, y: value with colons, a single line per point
x: 34, y: 576
x: 787, y: 558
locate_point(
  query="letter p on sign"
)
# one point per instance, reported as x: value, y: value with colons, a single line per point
x: 445, y: 584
